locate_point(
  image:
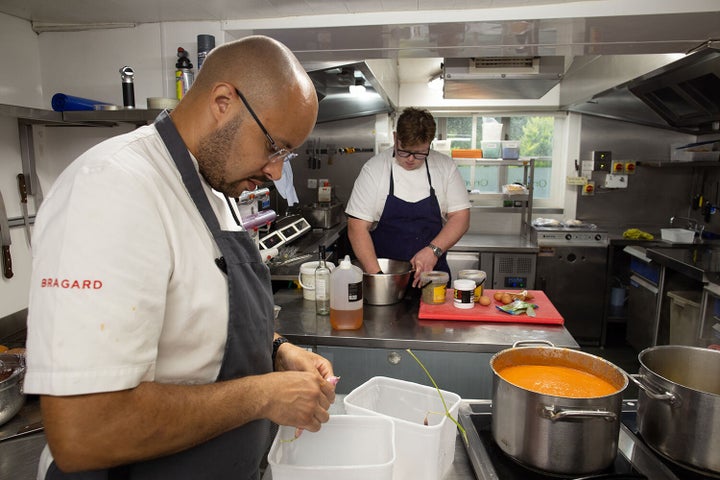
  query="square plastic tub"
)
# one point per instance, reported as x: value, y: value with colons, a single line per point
x: 510, y: 149
x: 423, y: 452
x: 677, y: 235
x: 491, y: 149
x: 347, y: 447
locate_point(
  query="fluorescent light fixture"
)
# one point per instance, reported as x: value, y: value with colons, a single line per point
x: 357, y: 89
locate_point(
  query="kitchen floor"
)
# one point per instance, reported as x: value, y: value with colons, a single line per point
x: 618, y: 352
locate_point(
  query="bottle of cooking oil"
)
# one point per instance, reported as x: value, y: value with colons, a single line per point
x: 346, y: 300
x: 322, y: 285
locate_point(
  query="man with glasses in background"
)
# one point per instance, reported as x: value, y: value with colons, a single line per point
x: 409, y: 202
x: 150, y: 325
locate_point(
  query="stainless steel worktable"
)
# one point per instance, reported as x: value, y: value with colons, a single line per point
x: 398, y: 326
x: 471, y: 242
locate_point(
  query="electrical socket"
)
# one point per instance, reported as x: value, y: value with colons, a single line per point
x: 616, y: 181
x: 312, y: 183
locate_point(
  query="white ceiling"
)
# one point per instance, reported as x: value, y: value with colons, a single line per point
x: 147, y: 11
x: 419, y: 33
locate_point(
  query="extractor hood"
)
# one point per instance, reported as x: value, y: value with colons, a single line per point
x: 337, y: 102
x: 501, y: 77
x: 685, y: 93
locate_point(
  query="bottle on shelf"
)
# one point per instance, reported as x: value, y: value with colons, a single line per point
x: 346, y: 300
x: 322, y: 285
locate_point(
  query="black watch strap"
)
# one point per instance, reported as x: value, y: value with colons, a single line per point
x: 276, y: 345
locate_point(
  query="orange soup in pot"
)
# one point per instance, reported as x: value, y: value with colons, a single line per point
x: 557, y: 381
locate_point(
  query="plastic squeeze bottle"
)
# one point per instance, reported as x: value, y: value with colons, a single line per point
x: 346, y: 300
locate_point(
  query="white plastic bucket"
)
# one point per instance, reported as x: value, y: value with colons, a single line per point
x: 306, y: 278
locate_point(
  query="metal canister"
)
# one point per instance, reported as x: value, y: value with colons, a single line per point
x: 477, y: 276
x: 184, y: 75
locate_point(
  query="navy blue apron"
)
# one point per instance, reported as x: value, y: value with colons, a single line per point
x: 236, y: 454
x: 406, y: 227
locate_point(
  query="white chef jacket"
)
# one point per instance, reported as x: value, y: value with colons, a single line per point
x: 372, y: 185
x: 124, y: 287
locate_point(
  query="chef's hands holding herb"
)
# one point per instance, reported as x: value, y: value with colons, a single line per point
x: 305, y: 388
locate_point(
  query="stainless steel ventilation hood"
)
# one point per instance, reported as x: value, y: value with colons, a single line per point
x: 683, y: 96
x: 501, y: 77
x: 685, y: 93
x: 333, y: 85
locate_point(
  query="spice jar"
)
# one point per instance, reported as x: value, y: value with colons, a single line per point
x: 464, y: 294
x: 433, y: 287
x: 477, y: 276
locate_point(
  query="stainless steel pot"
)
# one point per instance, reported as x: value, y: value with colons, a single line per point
x: 679, y: 404
x: 560, y: 435
x: 388, y: 287
x: 12, y: 372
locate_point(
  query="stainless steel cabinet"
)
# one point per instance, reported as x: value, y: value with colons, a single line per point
x: 466, y: 373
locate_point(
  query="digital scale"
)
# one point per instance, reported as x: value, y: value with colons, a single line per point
x: 285, y: 234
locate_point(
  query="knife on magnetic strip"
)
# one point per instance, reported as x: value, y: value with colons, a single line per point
x: 5, y: 240
x: 22, y: 188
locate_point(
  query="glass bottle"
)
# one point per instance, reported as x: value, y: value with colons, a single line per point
x: 322, y: 285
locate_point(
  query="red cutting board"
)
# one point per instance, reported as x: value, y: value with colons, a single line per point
x: 544, y: 313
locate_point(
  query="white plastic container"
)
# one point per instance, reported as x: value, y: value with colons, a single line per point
x: 306, y: 278
x: 347, y: 447
x: 464, y: 293
x: 677, y: 235
x: 346, y: 296
x: 423, y: 452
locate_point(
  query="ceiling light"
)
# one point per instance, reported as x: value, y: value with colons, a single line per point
x: 358, y: 88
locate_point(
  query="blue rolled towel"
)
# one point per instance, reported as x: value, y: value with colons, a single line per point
x: 62, y: 102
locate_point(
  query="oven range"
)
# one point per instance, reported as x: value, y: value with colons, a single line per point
x: 571, y: 270
x: 635, y: 460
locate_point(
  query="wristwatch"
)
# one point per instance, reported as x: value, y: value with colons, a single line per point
x: 436, y: 250
x: 275, y: 346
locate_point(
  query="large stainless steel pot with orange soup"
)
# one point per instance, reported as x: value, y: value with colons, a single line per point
x: 556, y: 409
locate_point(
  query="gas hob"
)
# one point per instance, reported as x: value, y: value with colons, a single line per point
x: 635, y: 460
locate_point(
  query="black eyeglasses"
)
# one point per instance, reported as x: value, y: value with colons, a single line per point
x: 279, y: 153
x: 417, y: 155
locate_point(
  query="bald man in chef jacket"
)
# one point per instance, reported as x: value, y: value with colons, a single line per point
x: 150, y: 329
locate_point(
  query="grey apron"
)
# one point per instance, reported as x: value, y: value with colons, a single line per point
x: 236, y: 454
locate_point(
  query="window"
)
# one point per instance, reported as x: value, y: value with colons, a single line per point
x: 534, y: 136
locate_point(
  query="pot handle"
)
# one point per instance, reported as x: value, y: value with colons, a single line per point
x: 521, y: 343
x: 553, y: 413
x: 654, y: 394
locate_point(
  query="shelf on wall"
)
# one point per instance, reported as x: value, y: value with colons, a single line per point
x: 669, y: 164
x: 40, y: 116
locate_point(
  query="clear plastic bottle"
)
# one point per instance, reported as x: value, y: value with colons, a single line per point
x: 346, y: 300
x: 322, y: 285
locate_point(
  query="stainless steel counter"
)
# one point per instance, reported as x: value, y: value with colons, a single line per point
x: 307, y: 248
x: 398, y: 326
x: 471, y: 242
x: 699, y: 262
